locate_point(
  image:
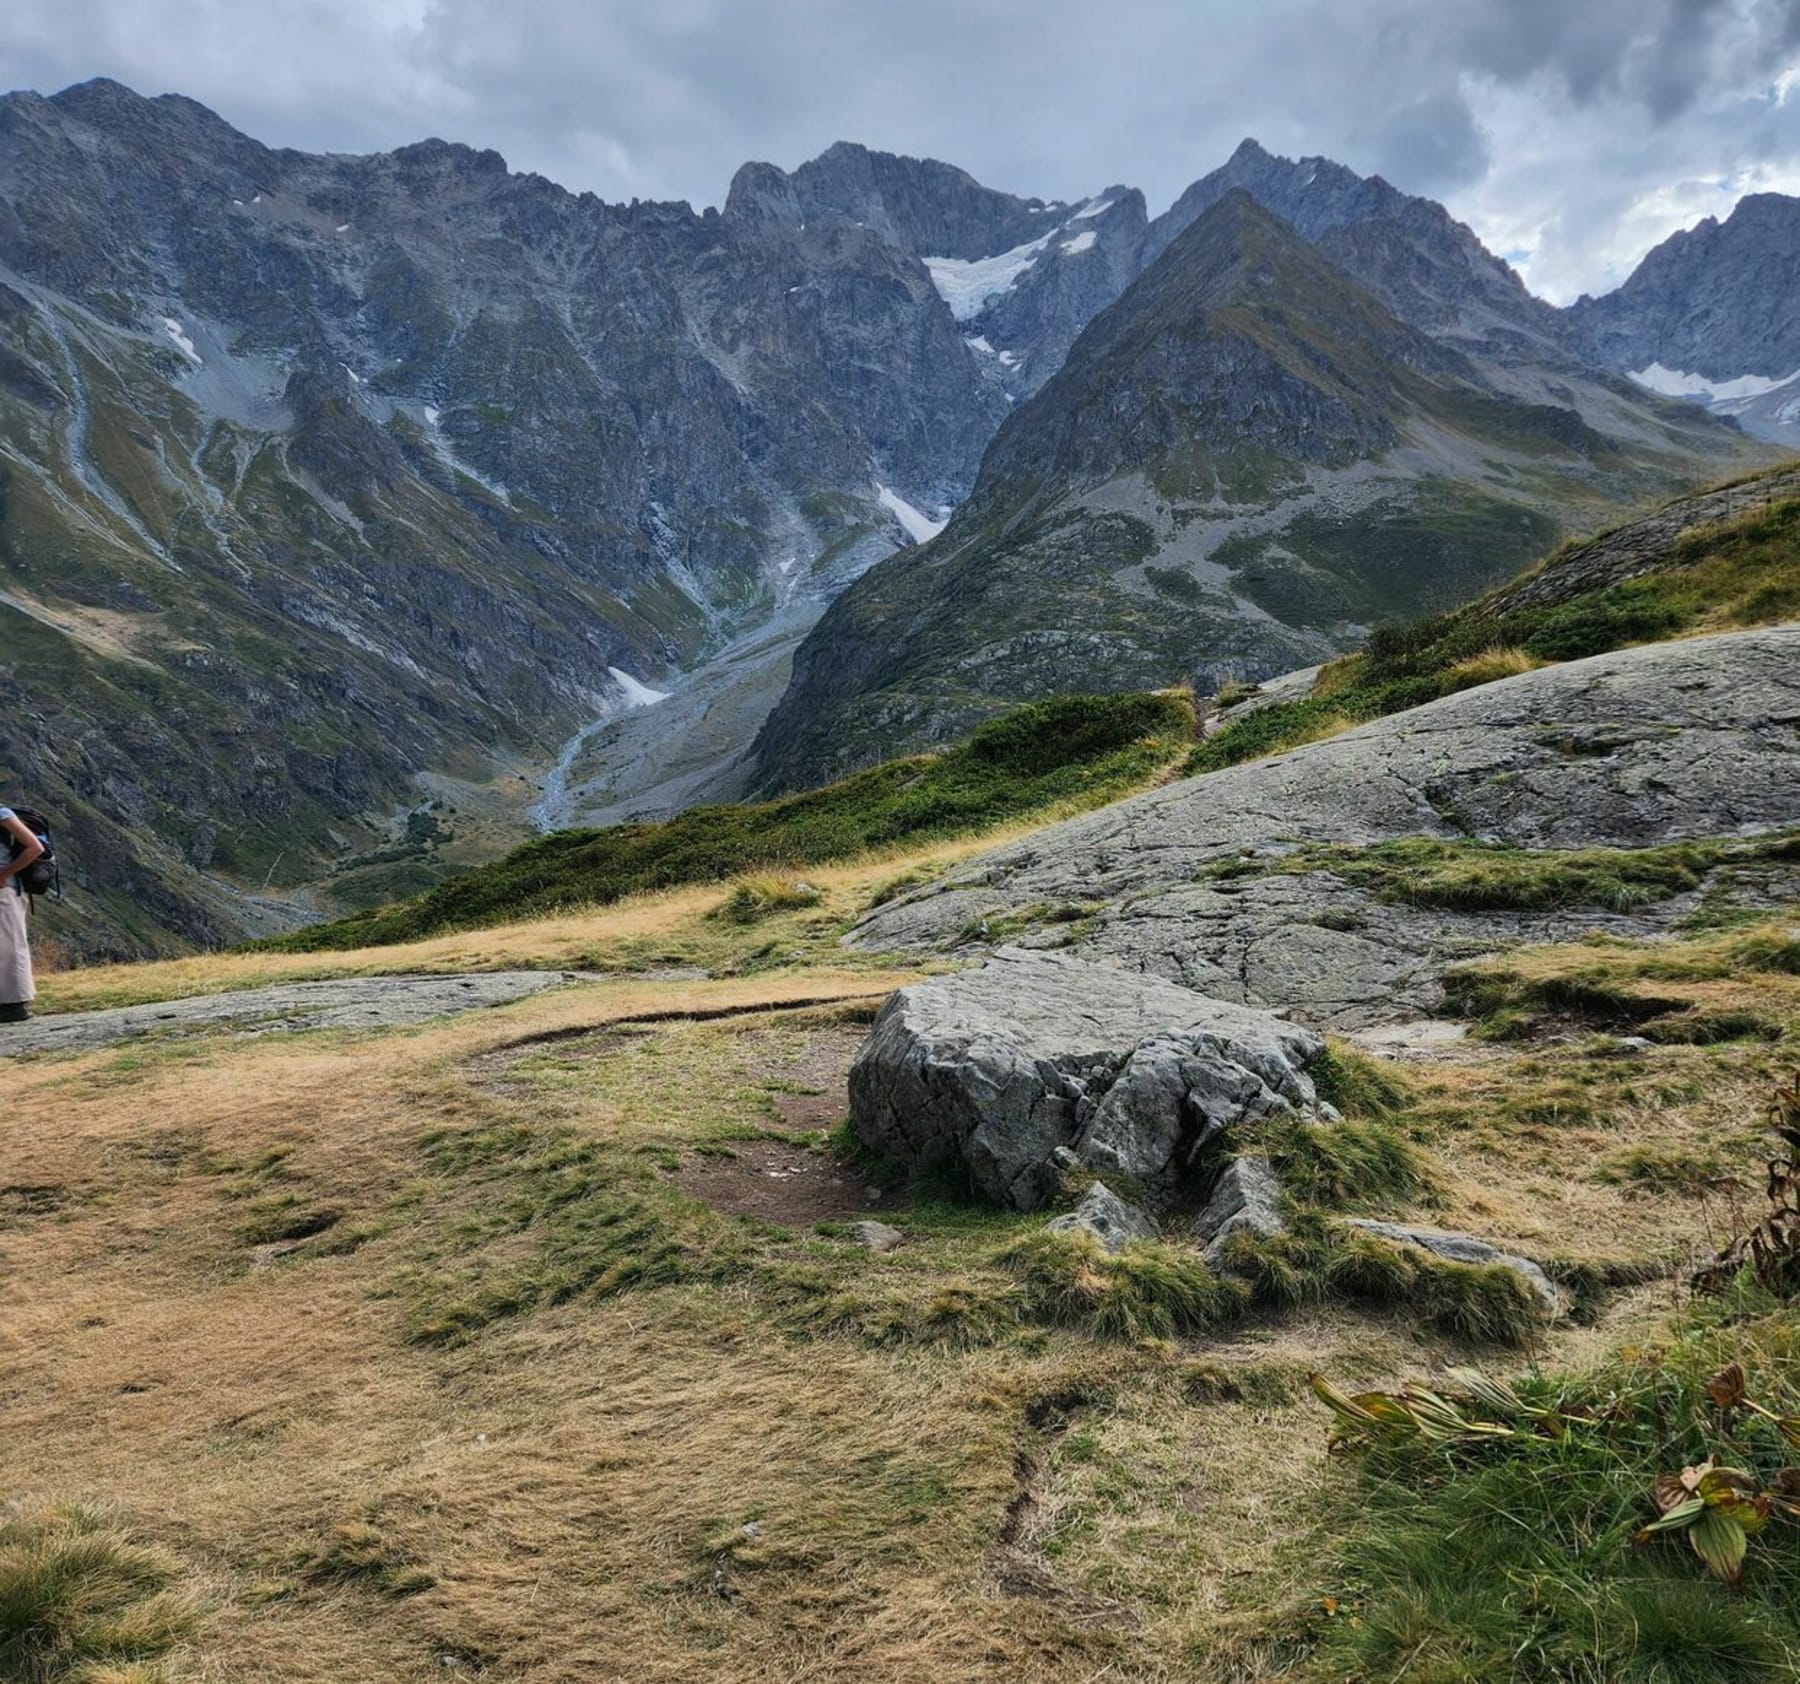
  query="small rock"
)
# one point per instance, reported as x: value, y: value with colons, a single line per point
x: 1063, y: 1160
x: 1113, y: 1221
x: 877, y: 1236
x: 1467, y: 1248
x: 1632, y: 1046
x: 1246, y: 1199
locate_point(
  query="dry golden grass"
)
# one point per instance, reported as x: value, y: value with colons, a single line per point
x: 623, y: 936
x: 768, y: 1469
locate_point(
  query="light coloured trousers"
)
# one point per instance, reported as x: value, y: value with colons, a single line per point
x: 15, y: 953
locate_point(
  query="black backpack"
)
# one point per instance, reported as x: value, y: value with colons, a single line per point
x: 43, y: 876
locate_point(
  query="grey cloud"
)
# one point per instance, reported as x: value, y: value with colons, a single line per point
x: 1432, y: 145
x: 1547, y: 123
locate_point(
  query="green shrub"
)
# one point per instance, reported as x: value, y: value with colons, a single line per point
x: 757, y: 898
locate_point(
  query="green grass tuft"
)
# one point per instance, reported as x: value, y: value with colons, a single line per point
x: 1150, y: 1291
x: 82, y: 1603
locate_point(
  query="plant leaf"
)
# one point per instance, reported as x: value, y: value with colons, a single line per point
x: 1492, y: 1394
x: 1674, y: 1519
x: 1727, y: 1387
x: 1719, y: 1540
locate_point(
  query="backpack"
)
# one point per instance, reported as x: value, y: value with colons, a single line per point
x: 43, y: 876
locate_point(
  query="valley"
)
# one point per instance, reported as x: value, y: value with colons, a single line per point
x: 340, y: 489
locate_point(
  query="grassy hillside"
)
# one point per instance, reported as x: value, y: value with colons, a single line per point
x: 372, y: 1335
x: 1083, y: 750
x: 1738, y: 573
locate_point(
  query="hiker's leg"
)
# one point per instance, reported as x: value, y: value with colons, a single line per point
x: 16, y: 986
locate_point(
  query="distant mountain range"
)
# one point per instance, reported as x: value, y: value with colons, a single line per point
x: 338, y: 493
x: 1323, y: 405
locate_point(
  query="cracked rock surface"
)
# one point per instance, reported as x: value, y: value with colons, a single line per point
x: 376, y: 1002
x: 1672, y: 741
x: 998, y: 1068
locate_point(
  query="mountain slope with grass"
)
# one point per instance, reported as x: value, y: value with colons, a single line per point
x: 1725, y: 559
x: 1245, y: 463
x: 402, y: 1312
x: 1074, y: 752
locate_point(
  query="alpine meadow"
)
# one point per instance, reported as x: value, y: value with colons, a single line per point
x: 895, y: 932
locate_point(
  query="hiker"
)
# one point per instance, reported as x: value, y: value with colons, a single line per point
x: 16, y: 990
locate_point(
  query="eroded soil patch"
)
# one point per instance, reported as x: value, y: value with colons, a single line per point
x: 795, y: 1185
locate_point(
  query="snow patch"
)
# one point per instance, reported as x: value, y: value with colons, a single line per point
x: 355, y: 378
x: 431, y: 414
x: 183, y: 344
x: 1094, y: 207
x: 1010, y: 359
x: 1677, y: 383
x: 1082, y: 242
x: 979, y: 343
x: 638, y: 694
x: 967, y: 285
x: 917, y: 525
x: 343, y: 228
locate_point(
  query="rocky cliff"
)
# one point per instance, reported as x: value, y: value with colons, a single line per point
x: 1246, y: 461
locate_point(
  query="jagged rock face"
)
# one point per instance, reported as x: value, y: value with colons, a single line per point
x: 1429, y: 269
x: 1000, y: 1068
x: 1717, y: 299
x: 1021, y: 277
x: 1244, y: 463
x: 1643, y: 746
x: 369, y: 466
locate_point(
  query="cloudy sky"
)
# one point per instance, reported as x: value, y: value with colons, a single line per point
x: 1573, y: 134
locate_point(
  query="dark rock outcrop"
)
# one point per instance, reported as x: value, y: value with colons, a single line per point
x: 996, y: 1069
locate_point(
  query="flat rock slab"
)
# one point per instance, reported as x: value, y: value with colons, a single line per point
x: 1698, y: 738
x: 1003, y: 1068
x: 375, y: 1002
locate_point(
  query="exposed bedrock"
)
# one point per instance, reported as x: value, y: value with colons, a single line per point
x: 1008, y: 1067
x: 1672, y: 741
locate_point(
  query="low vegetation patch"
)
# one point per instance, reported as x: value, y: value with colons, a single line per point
x: 1722, y: 987
x: 1637, y: 1525
x: 82, y: 1602
x: 1075, y: 750
x: 1745, y: 573
x: 1315, y: 1263
x: 1470, y: 876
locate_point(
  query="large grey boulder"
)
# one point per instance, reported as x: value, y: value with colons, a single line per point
x: 998, y: 1067
x: 1107, y: 1217
x: 1466, y: 1248
x: 1641, y: 746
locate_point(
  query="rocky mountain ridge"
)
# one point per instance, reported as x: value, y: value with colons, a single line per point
x: 1245, y: 462
x: 336, y: 493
